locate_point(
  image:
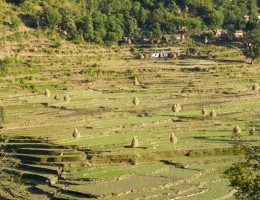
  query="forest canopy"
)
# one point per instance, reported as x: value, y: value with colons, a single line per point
x: 102, y: 21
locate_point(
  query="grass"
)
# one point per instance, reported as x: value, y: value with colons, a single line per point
x: 101, y: 109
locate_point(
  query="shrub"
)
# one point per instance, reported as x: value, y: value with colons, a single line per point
x: 56, y: 43
x: 34, y: 88
x: 51, y: 17
x: 134, y: 50
x: 5, y: 64
x: 2, y: 115
x: 57, y: 159
x: 199, y: 69
x: 15, y: 22
x: 95, y: 65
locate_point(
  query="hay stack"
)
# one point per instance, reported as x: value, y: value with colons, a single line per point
x: 47, y: 93
x: 252, y: 131
x: 204, y: 111
x: 76, y: 134
x: 129, y: 42
x: 136, y: 101
x: 56, y: 97
x: 179, y: 107
x: 236, y: 130
x: 52, y: 181
x: 134, y: 143
x: 136, y: 82
x: 213, y: 114
x: 66, y: 98
x: 174, y: 55
x: 206, y: 41
x: 173, y: 138
x: 176, y: 108
x: 141, y: 56
x: 256, y: 87
x: 187, y: 52
x: 6, y: 140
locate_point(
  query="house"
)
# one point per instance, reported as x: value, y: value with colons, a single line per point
x: 160, y: 55
x: 146, y: 41
x: 155, y: 55
x: 220, y: 33
x: 238, y: 34
x: 137, y: 40
x: 179, y: 37
x: 166, y: 38
x: 164, y: 55
x: 183, y: 28
x: 247, y: 18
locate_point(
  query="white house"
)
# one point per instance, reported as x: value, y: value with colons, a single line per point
x: 164, y: 55
x: 155, y: 55
x: 159, y: 55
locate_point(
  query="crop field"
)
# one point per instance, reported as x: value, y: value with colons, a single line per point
x: 100, y: 84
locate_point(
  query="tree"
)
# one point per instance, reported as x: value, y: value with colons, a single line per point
x: 112, y: 37
x: 100, y: 30
x: 234, y: 17
x: 156, y: 31
x: 51, y: 17
x: 143, y: 16
x: 252, y: 8
x: 100, y: 21
x: 85, y: 26
x: 216, y: 19
x: 244, y: 176
x: 130, y: 25
x: 252, y: 41
x: 114, y: 26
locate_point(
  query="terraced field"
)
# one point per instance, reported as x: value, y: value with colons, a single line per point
x: 99, y: 82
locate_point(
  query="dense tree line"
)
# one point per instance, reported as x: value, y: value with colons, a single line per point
x: 108, y: 20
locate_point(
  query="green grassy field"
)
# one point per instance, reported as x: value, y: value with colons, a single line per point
x: 99, y: 82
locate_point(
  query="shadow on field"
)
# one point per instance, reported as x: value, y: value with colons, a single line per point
x: 45, y: 104
x: 128, y: 146
x: 229, y: 141
x: 226, y: 61
x: 28, y: 20
x: 176, y: 165
x: 179, y: 118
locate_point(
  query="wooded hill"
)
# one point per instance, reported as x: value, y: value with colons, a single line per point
x: 100, y: 21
